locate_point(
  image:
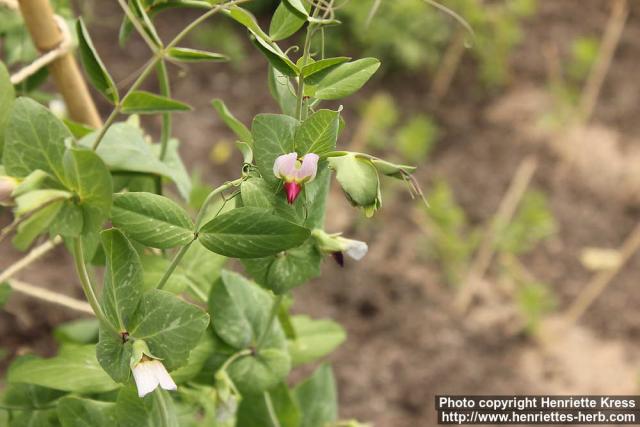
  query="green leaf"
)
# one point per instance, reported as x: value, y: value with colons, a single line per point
x: 36, y: 224
x: 322, y: 64
x: 184, y: 54
x: 273, y: 135
x: 241, y: 131
x: 285, y: 271
x: 122, y: 279
x: 5, y: 293
x: 69, y: 222
x: 88, y: 176
x: 28, y: 395
x: 37, y: 199
x: 203, y: 266
x: 78, y: 412
x: 276, y: 58
x: 172, y: 160
x: 317, y: 397
x: 74, y: 369
x: 124, y: 149
x: 314, y: 339
x: 249, y: 232
x: 132, y: 411
x: 170, y: 326
x: 152, y: 220
x: 34, y: 139
x: 282, y: 91
x: 114, y: 355
x: 253, y: 411
x: 245, y: 18
x: 78, y: 130
x: 255, y: 192
x: 138, y: 7
x: 7, y: 95
x: 284, y: 23
x: 199, y: 356
x: 82, y: 331
x: 297, y: 6
x: 154, y: 268
x: 344, y: 79
x: 142, y: 102
x: 260, y: 371
x: 96, y: 71
x: 318, y: 134
x: 240, y: 311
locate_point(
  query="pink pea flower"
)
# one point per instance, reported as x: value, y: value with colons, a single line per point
x: 295, y: 173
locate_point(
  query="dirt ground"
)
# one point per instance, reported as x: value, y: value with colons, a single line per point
x: 406, y: 341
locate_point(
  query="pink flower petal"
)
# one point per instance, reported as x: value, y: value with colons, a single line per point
x: 285, y: 166
x: 309, y: 168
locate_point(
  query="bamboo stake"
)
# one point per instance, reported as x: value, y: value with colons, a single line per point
x: 610, y: 40
x: 39, y: 19
x: 600, y: 281
x: 32, y: 256
x: 506, y: 210
x: 49, y: 296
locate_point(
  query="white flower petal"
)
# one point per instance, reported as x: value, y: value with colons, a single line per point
x: 163, y: 377
x: 285, y: 165
x: 145, y: 378
x: 356, y: 249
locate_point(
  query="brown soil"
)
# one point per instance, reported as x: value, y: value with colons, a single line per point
x: 406, y: 342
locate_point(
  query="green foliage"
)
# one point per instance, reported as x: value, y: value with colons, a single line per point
x: 535, y: 300
x: 96, y: 71
x: 141, y: 102
x: 412, y: 34
x: 451, y: 242
x: 74, y: 369
x: 75, y: 182
x: 532, y: 223
x: 317, y: 397
x: 416, y: 138
x: 152, y: 220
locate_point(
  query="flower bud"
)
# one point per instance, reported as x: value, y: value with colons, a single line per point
x: 359, y: 180
x: 336, y: 245
x: 392, y: 169
x: 7, y: 187
x: 295, y: 173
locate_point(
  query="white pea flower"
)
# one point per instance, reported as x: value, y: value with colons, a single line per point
x: 337, y: 246
x: 150, y: 374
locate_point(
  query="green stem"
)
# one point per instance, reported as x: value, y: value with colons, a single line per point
x: 305, y: 57
x: 272, y: 316
x: 165, y: 90
x: 159, y: 397
x: 138, y: 26
x: 195, y: 290
x: 174, y: 263
x: 271, y: 409
x: 234, y: 357
x: 211, y: 196
x: 116, y: 111
x: 87, y: 286
x: 158, y: 55
x: 182, y: 34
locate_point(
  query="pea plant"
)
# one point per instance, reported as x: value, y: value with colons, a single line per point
x: 177, y: 340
